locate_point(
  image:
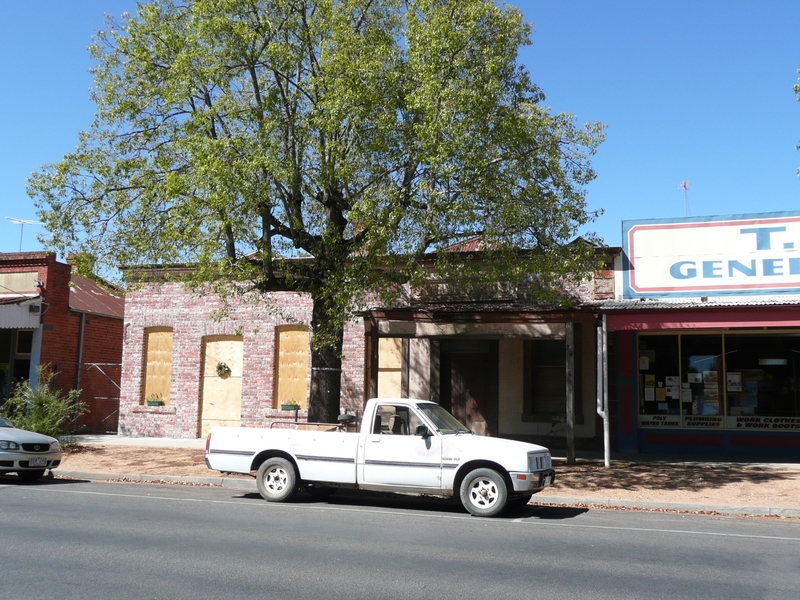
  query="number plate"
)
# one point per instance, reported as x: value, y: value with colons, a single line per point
x: 37, y: 461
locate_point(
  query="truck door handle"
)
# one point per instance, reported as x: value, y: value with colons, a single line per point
x: 375, y: 440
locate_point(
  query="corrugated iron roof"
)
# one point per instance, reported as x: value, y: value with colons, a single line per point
x: 698, y: 302
x: 16, y: 298
x: 87, y: 296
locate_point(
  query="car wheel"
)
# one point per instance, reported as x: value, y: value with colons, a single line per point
x: 484, y: 492
x: 28, y: 476
x: 276, y: 480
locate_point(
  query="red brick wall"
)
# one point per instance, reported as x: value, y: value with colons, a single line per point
x: 100, y: 372
x: 191, y: 317
x: 60, y: 338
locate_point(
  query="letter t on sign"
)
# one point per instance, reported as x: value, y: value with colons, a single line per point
x: 762, y: 235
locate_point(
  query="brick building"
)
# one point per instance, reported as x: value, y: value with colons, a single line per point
x: 54, y: 318
x: 496, y: 361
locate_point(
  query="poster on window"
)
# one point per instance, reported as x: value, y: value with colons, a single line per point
x: 734, y: 381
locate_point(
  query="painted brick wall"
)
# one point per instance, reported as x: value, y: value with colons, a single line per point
x: 193, y: 316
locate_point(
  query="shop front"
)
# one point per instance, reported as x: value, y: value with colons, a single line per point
x: 707, y: 333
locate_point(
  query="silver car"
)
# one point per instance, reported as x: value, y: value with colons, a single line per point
x: 26, y: 453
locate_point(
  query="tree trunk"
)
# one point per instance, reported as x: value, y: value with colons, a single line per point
x: 326, y: 369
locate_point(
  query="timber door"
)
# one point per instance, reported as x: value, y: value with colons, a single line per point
x: 221, y: 402
x: 469, y: 383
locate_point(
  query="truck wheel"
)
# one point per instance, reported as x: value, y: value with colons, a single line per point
x: 484, y: 492
x: 276, y: 480
x: 519, y: 502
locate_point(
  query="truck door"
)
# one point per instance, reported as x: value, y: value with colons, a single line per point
x: 394, y: 456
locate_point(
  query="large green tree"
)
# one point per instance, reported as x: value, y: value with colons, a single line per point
x: 322, y: 146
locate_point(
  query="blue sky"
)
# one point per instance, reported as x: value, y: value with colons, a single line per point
x: 697, y: 91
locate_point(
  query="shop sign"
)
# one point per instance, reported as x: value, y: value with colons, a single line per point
x: 704, y: 421
x: 708, y: 256
x: 659, y: 421
x: 765, y: 423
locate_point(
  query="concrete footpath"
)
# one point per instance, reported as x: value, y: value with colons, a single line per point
x: 599, y: 500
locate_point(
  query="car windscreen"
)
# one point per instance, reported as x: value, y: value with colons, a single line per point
x: 4, y: 423
x: 443, y: 420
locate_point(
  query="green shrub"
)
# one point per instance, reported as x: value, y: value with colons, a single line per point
x: 43, y: 409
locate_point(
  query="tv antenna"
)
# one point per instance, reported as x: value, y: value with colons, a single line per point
x: 685, y: 187
x: 22, y: 223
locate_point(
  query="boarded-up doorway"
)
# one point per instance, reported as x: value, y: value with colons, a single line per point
x: 469, y: 383
x: 221, y: 393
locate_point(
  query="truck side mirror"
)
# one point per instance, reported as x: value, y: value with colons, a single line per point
x: 422, y: 431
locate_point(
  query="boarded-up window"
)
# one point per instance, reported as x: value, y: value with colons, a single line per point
x: 390, y: 367
x: 291, y: 366
x: 158, y: 364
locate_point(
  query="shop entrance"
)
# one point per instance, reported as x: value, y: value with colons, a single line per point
x: 469, y: 383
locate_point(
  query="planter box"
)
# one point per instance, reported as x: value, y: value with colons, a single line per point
x: 155, y: 403
x: 290, y: 407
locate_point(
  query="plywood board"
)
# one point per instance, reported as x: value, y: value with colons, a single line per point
x: 221, y: 402
x: 227, y: 349
x: 158, y: 363
x: 291, y: 377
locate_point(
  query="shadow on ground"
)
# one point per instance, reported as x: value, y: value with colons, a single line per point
x: 427, y: 504
x: 659, y: 476
x: 47, y: 479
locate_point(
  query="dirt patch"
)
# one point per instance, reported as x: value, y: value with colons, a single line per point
x: 136, y: 460
x: 701, y: 484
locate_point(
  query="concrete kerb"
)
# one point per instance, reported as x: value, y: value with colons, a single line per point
x: 683, y: 507
x: 227, y: 482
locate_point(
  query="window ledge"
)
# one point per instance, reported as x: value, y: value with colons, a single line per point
x: 155, y: 410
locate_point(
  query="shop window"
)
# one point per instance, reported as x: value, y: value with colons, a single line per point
x: 158, y: 365
x: 761, y: 375
x: 291, y: 366
x: 659, y: 375
x: 24, y: 341
x: 22, y: 354
x: 701, y: 385
x: 741, y: 381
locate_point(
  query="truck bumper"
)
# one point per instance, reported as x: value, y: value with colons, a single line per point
x: 531, y: 482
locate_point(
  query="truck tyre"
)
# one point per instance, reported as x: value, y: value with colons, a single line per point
x: 484, y: 492
x: 519, y: 502
x: 276, y: 480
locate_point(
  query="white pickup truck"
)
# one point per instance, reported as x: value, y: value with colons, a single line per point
x: 404, y: 446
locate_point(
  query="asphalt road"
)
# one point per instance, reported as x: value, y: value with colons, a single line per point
x: 61, y: 539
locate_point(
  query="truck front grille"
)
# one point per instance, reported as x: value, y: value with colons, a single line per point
x: 540, y: 461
